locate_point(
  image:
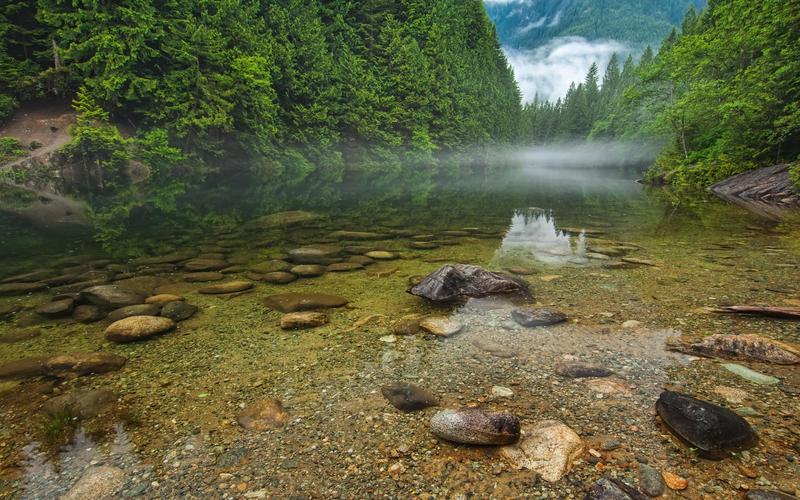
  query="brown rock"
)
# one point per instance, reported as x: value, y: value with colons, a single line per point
x: 747, y: 347
x: 441, y: 326
x: 82, y: 403
x: 20, y: 288
x: 138, y: 328
x: 278, y: 278
x: 308, y: 270
x: 263, y: 414
x: 301, y: 320
x: 162, y: 299
x: 196, y: 265
x: 19, y: 336
x: 97, y: 483
x: 134, y: 310
x: 56, y: 308
x: 203, y: 277
x: 674, y: 481
x: 225, y: 288
x: 294, y: 302
x: 87, y: 314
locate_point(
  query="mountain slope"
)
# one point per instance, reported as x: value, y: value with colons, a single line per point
x: 528, y: 24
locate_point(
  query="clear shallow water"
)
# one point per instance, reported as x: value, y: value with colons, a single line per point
x: 172, y: 426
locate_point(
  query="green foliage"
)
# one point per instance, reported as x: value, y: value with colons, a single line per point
x: 723, y: 94
x: 10, y: 149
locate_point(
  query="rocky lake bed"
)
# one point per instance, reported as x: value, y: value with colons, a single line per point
x: 408, y: 355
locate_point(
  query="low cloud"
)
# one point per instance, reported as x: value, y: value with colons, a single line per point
x: 549, y: 70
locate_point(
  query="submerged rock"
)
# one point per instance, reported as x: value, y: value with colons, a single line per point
x: 293, y: 302
x: 548, y: 448
x: 578, y: 369
x: 612, y: 489
x: 56, y: 308
x: 382, y: 255
x: 751, y: 375
x: 282, y: 219
x: 441, y: 326
x: 196, y: 265
x: 278, y: 278
x: 135, y: 310
x: 20, y: 288
x: 768, y: 495
x: 162, y: 299
x: 178, y: 310
x: 537, y: 316
x: 408, y: 397
x: 315, y: 254
x: 651, y: 481
x: 494, y: 348
x: 476, y: 426
x: 80, y: 363
x: 110, y: 296
x: 712, y: 429
x: 343, y: 267
x: 747, y: 347
x: 263, y: 414
x: 225, y: 288
x: 357, y: 235
x: 97, y: 483
x: 203, y: 277
x: 19, y: 336
x: 308, y: 270
x: 138, y: 328
x: 453, y: 282
x: 302, y: 320
x: 81, y: 403
x: 271, y: 266
x: 87, y: 314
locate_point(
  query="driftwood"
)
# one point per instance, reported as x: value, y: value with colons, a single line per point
x: 769, y: 191
x: 778, y: 312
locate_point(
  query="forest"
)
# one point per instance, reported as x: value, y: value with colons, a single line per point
x: 720, y: 96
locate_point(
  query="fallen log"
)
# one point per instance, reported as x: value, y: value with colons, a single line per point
x: 778, y: 312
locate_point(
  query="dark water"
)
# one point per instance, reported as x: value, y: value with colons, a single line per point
x: 170, y: 425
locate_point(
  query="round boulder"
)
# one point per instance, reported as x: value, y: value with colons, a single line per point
x: 138, y: 328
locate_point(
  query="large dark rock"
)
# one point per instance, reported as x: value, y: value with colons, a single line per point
x: 768, y: 191
x: 715, y: 431
x: 134, y: 310
x: 408, y: 397
x: 178, y: 310
x: 454, y: 282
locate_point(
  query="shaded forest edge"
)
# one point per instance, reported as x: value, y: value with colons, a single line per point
x: 301, y: 97
x: 721, y: 96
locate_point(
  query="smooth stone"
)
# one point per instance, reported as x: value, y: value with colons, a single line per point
x: 197, y: 265
x: 97, y: 483
x: 171, y: 258
x: 407, y: 326
x: 20, y: 288
x: 203, y: 277
x: 382, y: 255
x: 162, y: 299
x: 56, y: 309
x: 359, y: 250
x: 178, y: 310
x: 768, y: 495
x: 143, y: 285
x: 441, y: 326
x: 476, y: 426
x: 631, y: 324
x: 746, y: 347
x: 302, y: 320
x: 263, y: 414
x: 493, y: 348
x: 279, y: 219
x: 715, y: 431
x: 361, y: 259
x: 408, y: 397
x: 578, y: 369
x: 7, y: 310
x: 82, y: 403
x: 650, y: 481
x: 135, y: 310
x: 19, y: 336
x: 87, y: 314
x: 607, y: 386
x: 548, y: 448
x: 79, y: 363
x: 295, y: 302
x: 31, y: 277
x: 423, y: 237
x: 732, y: 394
x: 138, y: 328
x: 423, y: 245
x: 308, y: 270
x: 639, y: 262
x: 315, y: 254
x: 610, y: 251
x: 343, y: 267
x: 751, y: 375
x: 521, y: 271
x: 537, y: 316
x: 502, y: 392
x: 674, y: 481
x: 278, y: 278
x: 458, y: 281
x: 271, y: 266
x: 229, y: 287
x: 357, y: 235
x: 110, y: 296
x: 612, y: 489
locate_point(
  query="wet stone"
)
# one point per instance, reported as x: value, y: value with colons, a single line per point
x: 143, y: 285
x: 197, y: 265
x: 87, y: 314
x: 549, y: 448
x: 20, y: 288
x: 315, y: 254
x: 441, y: 326
x: 650, y: 481
x: 357, y: 235
x: 178, y: 310
x: 82, y: 403
x: 494, y: 348
x: 110, y: 296
x: 715, y: 431
x: 56, y: 309
x: 578, y: 369
x: 456, y: 282
x: 612, y: 489
x: 476, y: 426
x: 408, y: 397
x: 343, y: 267
x: 768, y: 495
x: 303, y: 320
x: 97, y: 483
x: 7, y: 310
x: 382, y: 255
x: 137, y: 328
x: 31, y: 277
x: 203, y: 277
x: 278, y: 278
x: 308, y: 270
x: 294, y: 302
x: 271, y: 266
x: 162, y: 299
x: 78, y: 363
x: 226, y: 288
x: 361, y: 259
x: 747, y: 347
x: 751, y: 375
x: 135, y: 310
x: 521, y: 271
x: 423, y: 245
x: 408, y: 326
x: 263, y: 414
x: 537, y: 316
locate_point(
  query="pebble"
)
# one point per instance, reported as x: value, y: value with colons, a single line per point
x: 302, y: 320
x: 631, y: 324
x: 408, y: 397
x: 674, y: 481
x: 751, y: 375
x: 476, y: 426
x: 537, y: 316
x: 441, y: 326
x: 263, y: 414
x: 502, y: 392
x: 225, y: 288
x: 651, y: 481
x: 138, y: 328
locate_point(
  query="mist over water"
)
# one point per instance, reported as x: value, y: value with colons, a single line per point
x: 582, y: 155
